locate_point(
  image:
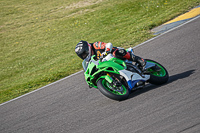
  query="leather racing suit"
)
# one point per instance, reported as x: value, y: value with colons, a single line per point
x: 99, y: 47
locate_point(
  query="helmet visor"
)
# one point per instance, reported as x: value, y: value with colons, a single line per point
x: 84, y: 55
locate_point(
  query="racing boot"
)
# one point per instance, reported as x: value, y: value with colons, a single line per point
x: 141, y: 62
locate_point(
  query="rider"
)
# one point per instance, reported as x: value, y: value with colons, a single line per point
x: 84, y: 49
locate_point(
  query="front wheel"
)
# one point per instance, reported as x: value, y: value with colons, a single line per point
x: 158, y: 77
x: 116, y: 93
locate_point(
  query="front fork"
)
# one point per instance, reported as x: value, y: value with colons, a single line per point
x: 112, y: 80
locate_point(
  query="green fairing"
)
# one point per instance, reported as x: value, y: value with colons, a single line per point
x: 110, y: 64
x: 93, y: 69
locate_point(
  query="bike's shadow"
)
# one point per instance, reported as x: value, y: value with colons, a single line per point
x: 171, y: 79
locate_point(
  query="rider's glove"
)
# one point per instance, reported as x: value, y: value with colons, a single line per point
x: 103, y: 55
x: 109, y: 47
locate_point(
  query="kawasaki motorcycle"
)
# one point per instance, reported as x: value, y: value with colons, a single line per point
x: 116, y: 78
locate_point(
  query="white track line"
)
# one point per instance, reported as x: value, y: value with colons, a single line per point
x: 82, y: 70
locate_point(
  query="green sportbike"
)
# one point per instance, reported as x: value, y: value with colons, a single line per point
x: 116, y: 78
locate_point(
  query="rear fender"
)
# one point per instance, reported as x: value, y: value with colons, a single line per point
x: 149, y: 65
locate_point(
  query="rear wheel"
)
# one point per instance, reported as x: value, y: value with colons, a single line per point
x: 158, y: 77
x: 113, y: 92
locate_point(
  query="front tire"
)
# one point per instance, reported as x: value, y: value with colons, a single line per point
x: 159, y: 77
x: 104, y: 88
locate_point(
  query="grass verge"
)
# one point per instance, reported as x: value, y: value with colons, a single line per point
x: 38, y: 37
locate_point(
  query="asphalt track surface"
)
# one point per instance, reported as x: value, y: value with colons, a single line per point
x: 69, y: 106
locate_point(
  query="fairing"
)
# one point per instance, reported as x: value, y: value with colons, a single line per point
x: 93, y: 70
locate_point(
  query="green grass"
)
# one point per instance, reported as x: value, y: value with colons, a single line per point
x: 38, y: 37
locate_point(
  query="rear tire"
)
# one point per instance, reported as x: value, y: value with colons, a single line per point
x: 159, y: 77
x: 101, y: 84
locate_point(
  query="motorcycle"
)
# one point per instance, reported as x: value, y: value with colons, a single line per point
x: 116, y: 78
